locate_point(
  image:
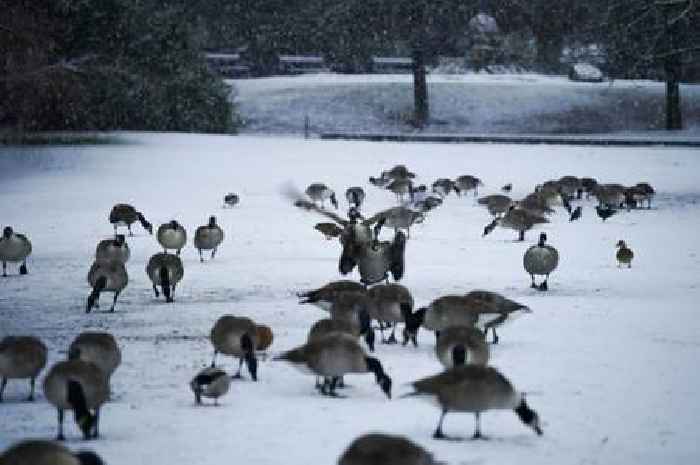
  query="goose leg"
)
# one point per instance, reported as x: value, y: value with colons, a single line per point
x: 2, y: 387
x: 114, y: 302
x: 213, y: 360
x: 533, y: 285
x: 213, y: 252
x: 60, y: 436
x: 392, y: 336
x: 201, y: 259
x: 155, y: 291
x: 438, y: 434
x: 178, y: 252
x: 492, y: 324
x: 521, y: 236
x: 4, y: 269
x: 23, y: 268
x: 324, y: 386
x: 115, y: 230
x: 238, y: 373
x: 32, y: 384
x: 334, y: 384
x: 543, y: 286
x: 477, y: 426
x: 128, y: 226
x: 96, y: 428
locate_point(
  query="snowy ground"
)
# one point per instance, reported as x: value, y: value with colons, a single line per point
x: 609, y: 356
x: 473, y: 103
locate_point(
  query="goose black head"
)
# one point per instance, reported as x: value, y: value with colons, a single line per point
x: 621, y: 243
x: 7, y: 232
x: 528, y: 416
x: 212, y: 221
x: 88, y: 457
x: 413, y: 323
x: 146, y: 225
x: 119, y: 240
x: 354, y: 214
x: 334, y: 201
x: 459, y: 355
x: 543, y: 239
x: 74, y: 353
x: 382, y: 378
x: 174, y: 224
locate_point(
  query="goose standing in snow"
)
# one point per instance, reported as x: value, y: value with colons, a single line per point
x: 325, y: 296
x: 496, y: 204
x: 496, y: 311
x: 384, y: 449
x: 210, y: 382
x: 519, y: 220
x: 444, y: 186
x: 443, y: 312
x: 124, y: 214
x: 21, y: 357
x: 36, y: 452
x: 208, y: 237
x: 165, y: 270
x: 389, y: 304
x: 540, y: 260
x: 461, y: 345
x: 401, y: 187
x: 474, y: 389
x: 334, y: 356
x: 355, y: 196
x: 319, y: 192
x: 14, y: 248
x: 397, y: 218
x: 236, y: 336
x: 468, y: 183
x: 113, y: 249
x: 99, y: 348
x: 79, y: 386
x: 106, y: 276
x: 172, y: 236
x: 624, y: 254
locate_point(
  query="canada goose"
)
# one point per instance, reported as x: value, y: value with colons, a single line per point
x: 172, y: 236
x: 231, y: 199
x: 14, y: 247
x: 507, y: 188
x: 208, y: 237
x: 236, y: 336
x: 21, y: 357
x: 106, y: 276
x: 334, y: 356
x: 123, y: 214
x: 604, y: 212
x: 643, y: 191
x: 495, y: 311
x: 329, y: 230
x: 520, y: 220
x: 325, y: 296
x: 496, y: 204
x: 319, y: 192
x: 399, y: 171
x: 389, y: 303
x: 540, y: 259
x: 326, y: 326
x: 165, y: 270
x: 113, y: 249
x: 610, y: 195
x: 475, y: 389
x: 99, y: 348
x: 401, y: 187
x: 397, y: 218
x: 576, y: 214
x: 79, y: 386
x: 429, y: 203
x: 36, y: 452
x: 354, y: 307
x: 383, y: 449
x: 355, y: 196
x: 210, y: 382
x: 444, y: 186
x: 467, y: 183
x: 565, y: 201
x: 535, y: 203
x: 381, y: 181
x: 588, y: 185
x: 264, y: 337
x: 380, y: 258
x: 459, y: 345
x: 624, y: 254
x: 569, y: 186
x: 443, y: 312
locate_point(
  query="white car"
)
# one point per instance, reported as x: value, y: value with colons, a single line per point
x: 585, y: 72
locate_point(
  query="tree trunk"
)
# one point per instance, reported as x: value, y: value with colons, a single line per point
x: 674, y: 120
x: 420, y: 89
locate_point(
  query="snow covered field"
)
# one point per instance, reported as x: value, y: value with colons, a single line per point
x: 609, y: 357
x: 472, y: 103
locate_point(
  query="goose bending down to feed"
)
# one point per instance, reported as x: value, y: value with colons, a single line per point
x: 540, y: 260
x: 468, y: 183
x: 496, y: 311
x: 397, y: 218
x: 99, y: 348
x: 390, y: 304
x: 475, y: 389
x: 79, y: 386
x: 576, y: 214
x: 496, y: 204
x: 106, y: 276
x: 172, y: 236
x: 319, y: 192
x: 399, y: 171
x: 461, y: 345
x: 236, y: 336
x: 14, y: 248
x: 124, y: 214
x: 231, y: 200
x: 165, y: 270
x: 37, y: 452
x: 624, y: 254
x: 604, y: 212
x: 208, y: 237
x: 355, y: 196
x: 401, y: 187
x: 519, y: 220
x: 326, y: 326
x: 354, y: 308
x: 21, y: 357
x: 324, y: 297
x: 113, y: 249
x: 334, y: 356
x: 444, y: 186
x: 384, y: 449
x: 211, y: 383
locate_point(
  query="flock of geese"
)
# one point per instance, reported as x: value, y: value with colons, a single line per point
x: 334, y: 345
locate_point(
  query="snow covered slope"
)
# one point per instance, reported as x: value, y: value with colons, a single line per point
x: 609, y: 357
